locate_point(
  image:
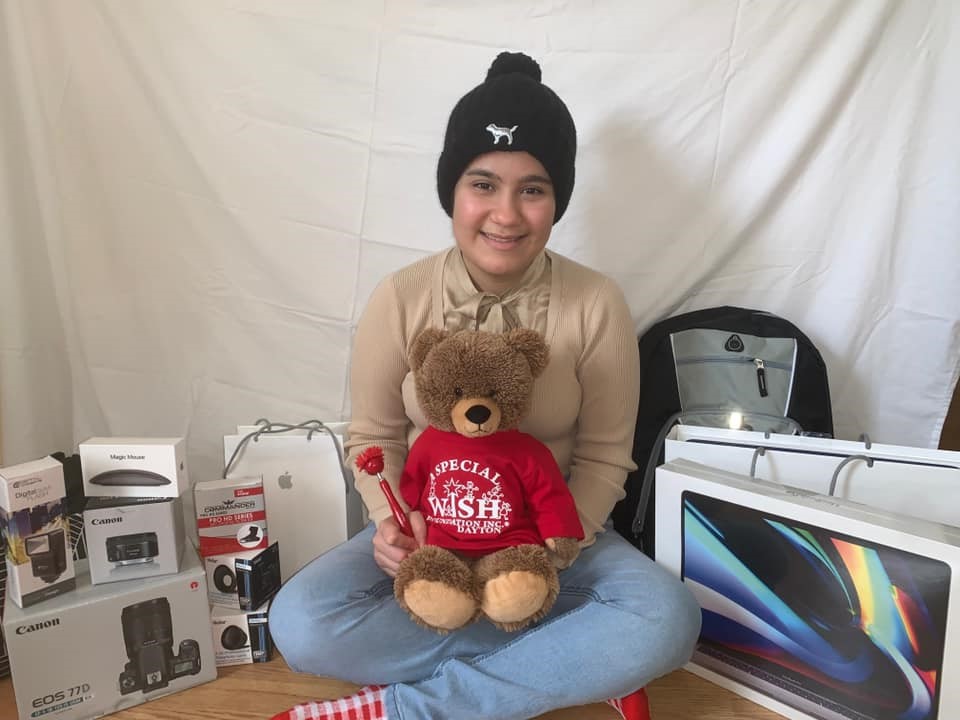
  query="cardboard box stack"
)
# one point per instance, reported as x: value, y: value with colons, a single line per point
x: 242, y: 567
x: 129, y: 623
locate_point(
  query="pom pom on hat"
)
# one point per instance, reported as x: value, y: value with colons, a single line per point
x: 510, y: 111
x: 507, y: 62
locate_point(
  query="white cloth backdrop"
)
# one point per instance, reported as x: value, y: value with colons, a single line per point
x: 197, y: 196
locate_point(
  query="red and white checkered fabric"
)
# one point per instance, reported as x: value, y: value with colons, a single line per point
x: 366, y: 704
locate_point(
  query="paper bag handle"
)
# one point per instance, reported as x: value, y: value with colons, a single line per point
x: 846, y: 461
x: 759, y: 452
x: 272, y: 428
x: 867, y: 444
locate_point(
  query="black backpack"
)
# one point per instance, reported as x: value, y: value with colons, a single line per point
x: 699, y: 367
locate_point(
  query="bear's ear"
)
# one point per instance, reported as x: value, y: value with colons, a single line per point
x: 532, y: 346
x: 423, y: 344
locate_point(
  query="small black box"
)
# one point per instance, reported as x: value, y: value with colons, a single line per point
x: 258, y: 578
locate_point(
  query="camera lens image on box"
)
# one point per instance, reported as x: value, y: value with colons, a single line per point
x: 103, y: 648
x: 133, y: 537
x: 38, y: 556
x: 245, y: 580
x: 240, y: 637
x: 133, y: 549
x: 133, y: 467
x: 148, y: 637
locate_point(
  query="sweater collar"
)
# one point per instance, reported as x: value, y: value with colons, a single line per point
x: 473, y: 309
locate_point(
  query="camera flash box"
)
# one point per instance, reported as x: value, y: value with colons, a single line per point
x: 39, y: 557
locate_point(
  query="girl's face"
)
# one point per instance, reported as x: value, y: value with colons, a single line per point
x: 503, y: 208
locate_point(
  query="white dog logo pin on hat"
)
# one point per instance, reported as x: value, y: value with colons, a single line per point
x: 501, y: 132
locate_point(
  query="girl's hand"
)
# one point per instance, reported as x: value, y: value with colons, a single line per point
x: 391, y: 546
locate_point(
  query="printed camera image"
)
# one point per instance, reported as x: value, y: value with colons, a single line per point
x: 148, y: 636
x: 48, y: 554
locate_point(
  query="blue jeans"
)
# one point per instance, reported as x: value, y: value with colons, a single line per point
x: 619, y: 622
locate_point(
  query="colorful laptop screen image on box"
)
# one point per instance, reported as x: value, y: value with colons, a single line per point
x: 834, y: 626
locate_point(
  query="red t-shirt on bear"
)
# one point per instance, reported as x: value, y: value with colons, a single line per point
x: 483, y: 494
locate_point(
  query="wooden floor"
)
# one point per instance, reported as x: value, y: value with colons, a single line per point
x: 256, y: 692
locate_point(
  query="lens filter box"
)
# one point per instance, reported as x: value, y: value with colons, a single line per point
x: 244, y: 580
x: 240, y: 637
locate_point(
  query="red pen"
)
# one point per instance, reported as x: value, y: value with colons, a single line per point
x: 370, y: 461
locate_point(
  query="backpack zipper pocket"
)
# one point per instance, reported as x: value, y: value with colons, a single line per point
x: 759, y: 363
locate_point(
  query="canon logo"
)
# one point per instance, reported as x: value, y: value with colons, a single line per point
x: 106, y: 521
x: 24, y: 629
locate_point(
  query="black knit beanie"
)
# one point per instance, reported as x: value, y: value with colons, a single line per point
x: 512, y: 111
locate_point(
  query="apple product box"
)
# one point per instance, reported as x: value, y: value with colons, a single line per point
x: 39, y: 558
x: 814, y: 607
x: 107, y: 647
x: 231, y: 517
x: 239, y: 637
x: 131, y: 538
x: 134, y: 467
x: 244, y: 580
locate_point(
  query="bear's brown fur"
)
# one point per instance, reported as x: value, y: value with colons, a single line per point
x: 515, y: 586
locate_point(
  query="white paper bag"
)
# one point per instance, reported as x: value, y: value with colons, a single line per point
x: 917, y: 482
x: 310, y: 500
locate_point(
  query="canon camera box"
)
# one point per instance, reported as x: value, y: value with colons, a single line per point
x: 39, y: 556
x: 815, y: 607
x: 133, y: 467
x: 107, y: 647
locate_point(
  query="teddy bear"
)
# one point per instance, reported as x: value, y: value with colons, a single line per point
x: 500, y: 518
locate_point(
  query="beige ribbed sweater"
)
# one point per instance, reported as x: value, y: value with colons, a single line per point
x: 584, y: 406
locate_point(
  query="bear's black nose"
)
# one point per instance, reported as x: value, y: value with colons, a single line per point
x: 478, y: 414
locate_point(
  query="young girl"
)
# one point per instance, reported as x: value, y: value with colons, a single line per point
x: 505, y: 176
